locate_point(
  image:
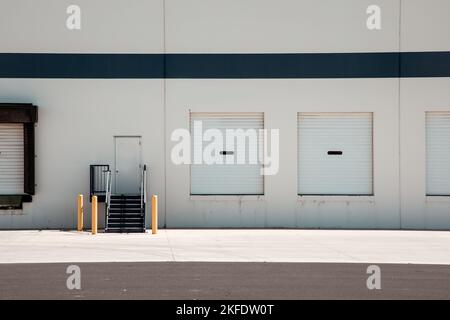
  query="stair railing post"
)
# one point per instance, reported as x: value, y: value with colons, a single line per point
x: 142, y: 189
x: 144, y: 195
x: 108, y: 190
x: 145, y: 184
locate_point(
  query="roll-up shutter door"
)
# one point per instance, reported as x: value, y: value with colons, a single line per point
x: 228, y: 179
x: 438, y: 153
x: 335, y: 154
x: 11, y: 158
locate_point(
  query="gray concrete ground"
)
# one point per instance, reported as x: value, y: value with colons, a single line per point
x: 312, y: 246
x: 223, y: 280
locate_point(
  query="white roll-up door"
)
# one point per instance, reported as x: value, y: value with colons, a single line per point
x: 335, y: 154
x: 11, y: 158
x: 239, y: 174
x: 438, y: 153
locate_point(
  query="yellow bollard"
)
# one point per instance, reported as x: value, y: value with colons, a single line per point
x: 154, y: 214
x: 94, y: 215
x: 80, y: 213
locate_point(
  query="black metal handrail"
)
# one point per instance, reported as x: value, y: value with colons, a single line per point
x: 108, y: 186
x: 143, y: 191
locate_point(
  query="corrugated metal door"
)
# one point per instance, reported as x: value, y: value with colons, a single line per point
x: 438, y: 153
x: 335, y: 154
x: 233, y: 177
x: 11, y: 158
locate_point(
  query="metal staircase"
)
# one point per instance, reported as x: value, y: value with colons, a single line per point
x: 125, y: 212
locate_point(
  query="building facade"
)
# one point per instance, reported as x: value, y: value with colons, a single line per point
x: 363, y: 113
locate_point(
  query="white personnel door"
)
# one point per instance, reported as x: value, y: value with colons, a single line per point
x: 11, y: 158
x: 127, y: 164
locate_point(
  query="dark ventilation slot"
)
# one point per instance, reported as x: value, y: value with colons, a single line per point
x: 226, y: 153
x: 335, y: 153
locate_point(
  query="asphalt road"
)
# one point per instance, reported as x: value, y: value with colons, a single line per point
x: 215, y: 280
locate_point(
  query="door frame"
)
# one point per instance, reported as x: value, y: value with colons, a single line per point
x: 115, y: 155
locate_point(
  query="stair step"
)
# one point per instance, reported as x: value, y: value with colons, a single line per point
x: 132, y: 196
x: 128, y: 215
x: 115, y: 221
x: 125, y: 230
x: 124, y: 205
x: 125, y: 198
x: 127, y: 203
x: 125, y: 225
x: 133, y: 201
x: 124, y: 212
x: 125, y: 216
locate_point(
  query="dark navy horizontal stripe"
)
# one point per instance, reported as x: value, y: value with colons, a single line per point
x: 225, y: 66
x: 275, y: 65
x: 425, y: 64
x: 81, y: 65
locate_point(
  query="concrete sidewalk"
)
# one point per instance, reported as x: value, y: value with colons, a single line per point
x: 330, y: 246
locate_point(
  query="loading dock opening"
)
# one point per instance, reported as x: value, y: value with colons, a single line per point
x: 17, y: 154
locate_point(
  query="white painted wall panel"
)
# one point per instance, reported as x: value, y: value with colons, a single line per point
x: 107, y: 26
x: 255, y: 26
x: 280, y: 206
x: 107, y: 107
x: 78, y: 120
x: 419, y: 96
x: 425, y: 25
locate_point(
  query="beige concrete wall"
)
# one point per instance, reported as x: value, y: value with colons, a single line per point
x: 280, y: 100
x: 425, y: 27
x: 417, y: 97
x: 279, y: 26
x: 77, y: 118
x: 77, y: 122
x: 106, y: 26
